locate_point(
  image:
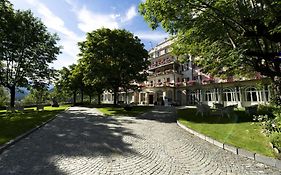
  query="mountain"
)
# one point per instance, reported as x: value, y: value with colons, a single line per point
x: 21, y: 92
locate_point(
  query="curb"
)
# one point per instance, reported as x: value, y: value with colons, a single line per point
x: 24, y: 135
x: 239, y: 151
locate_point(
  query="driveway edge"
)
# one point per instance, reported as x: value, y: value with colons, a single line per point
x: 239, y: 151
x: 24, y: 135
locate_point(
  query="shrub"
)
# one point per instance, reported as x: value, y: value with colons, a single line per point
x: 275, y: 139
x: 266, y: 110
x: 270, y: 125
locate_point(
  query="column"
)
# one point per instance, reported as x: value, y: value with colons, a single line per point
x: 146, y: 98
x: 140, y: 98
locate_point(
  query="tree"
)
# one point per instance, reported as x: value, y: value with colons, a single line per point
x: 64, y: 84
x: 76, y: 78
x: 3, y: 96
x: 37, y: 95
x: 113, y: 59
x: 26, y: 49
x: 229, y: 37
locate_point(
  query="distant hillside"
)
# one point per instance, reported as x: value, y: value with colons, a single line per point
x: 21, y: 92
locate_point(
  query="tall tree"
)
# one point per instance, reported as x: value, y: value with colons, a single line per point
x: 3, y: 96
x: 76, y: 78
x: 26, y: 49
x: 65, y: 83
x: 229, y: 37
x: 113, y: 58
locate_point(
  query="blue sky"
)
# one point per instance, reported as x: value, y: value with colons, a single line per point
x: 71, y: 19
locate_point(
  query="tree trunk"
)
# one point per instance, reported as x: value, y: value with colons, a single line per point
x: 90, y: 99
x: 74, y: 97
x: 99, y: 100
x: 115, y: 97
x: 13, y: 95
x: 82, y: 96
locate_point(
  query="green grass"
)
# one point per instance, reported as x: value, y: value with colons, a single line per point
x: 120, y: 111
x: 238, y: 130
x: 15, y: 124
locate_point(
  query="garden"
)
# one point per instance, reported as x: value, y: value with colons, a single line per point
x: 260, y: 133
x: 13, y: 124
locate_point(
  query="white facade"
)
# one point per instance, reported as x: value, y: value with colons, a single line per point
x: 184, y: 84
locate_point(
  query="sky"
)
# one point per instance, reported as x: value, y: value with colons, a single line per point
x: 72, y: 19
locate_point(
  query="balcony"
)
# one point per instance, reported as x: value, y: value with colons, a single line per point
x: 162, y: 62
x: 166, y: 72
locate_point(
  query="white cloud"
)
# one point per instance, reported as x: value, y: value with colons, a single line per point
x: 152, y: 36
x: 131, y: 13
x: 68, y: 38
x: 89, y: 21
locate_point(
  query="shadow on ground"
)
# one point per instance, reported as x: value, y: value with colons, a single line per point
x: 76, y: 134
x: 160, y: 114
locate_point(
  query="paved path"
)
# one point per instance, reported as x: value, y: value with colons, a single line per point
x: 80, y: 141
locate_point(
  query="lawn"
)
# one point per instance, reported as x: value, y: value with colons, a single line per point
x: 15, y: 124
x: 120, y: 111
x: 238, y: 130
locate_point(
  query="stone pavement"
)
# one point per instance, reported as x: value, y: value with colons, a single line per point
x: 80, y: 141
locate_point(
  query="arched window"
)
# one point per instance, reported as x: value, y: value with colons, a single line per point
x: 228, y: 95
x: 251, y: 94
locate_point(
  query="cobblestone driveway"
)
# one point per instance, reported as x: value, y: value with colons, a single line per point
x: 80, y: 141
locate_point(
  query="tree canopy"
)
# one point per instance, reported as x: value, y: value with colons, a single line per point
x: 26, y: 49
x: 68, y: 83
x: 230, y: 37
x: 113, y: 58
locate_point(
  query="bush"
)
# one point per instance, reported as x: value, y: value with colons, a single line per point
x: 128, y: 107
x: 275, y: 139
x: 266, y: 110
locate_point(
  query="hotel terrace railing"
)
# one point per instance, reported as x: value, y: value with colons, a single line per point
x: 166, y: 72
x: 161, y: 62
x: 169, y: 84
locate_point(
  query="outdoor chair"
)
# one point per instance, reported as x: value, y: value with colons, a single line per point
x: 202, y: 109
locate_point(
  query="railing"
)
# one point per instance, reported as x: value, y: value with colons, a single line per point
x: 166, y: 72
x: 161, y: 62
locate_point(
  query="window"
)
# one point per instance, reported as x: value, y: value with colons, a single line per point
x: 157, y: 54
x: 251, y: 94
x: 168, y: 80
x: 228, y: 95
x: 266, y: 93
x: 208, y: 95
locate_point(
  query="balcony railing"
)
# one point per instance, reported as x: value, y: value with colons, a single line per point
x: 164, y: 84
x: 161, y: 62
x: 170, y: 71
